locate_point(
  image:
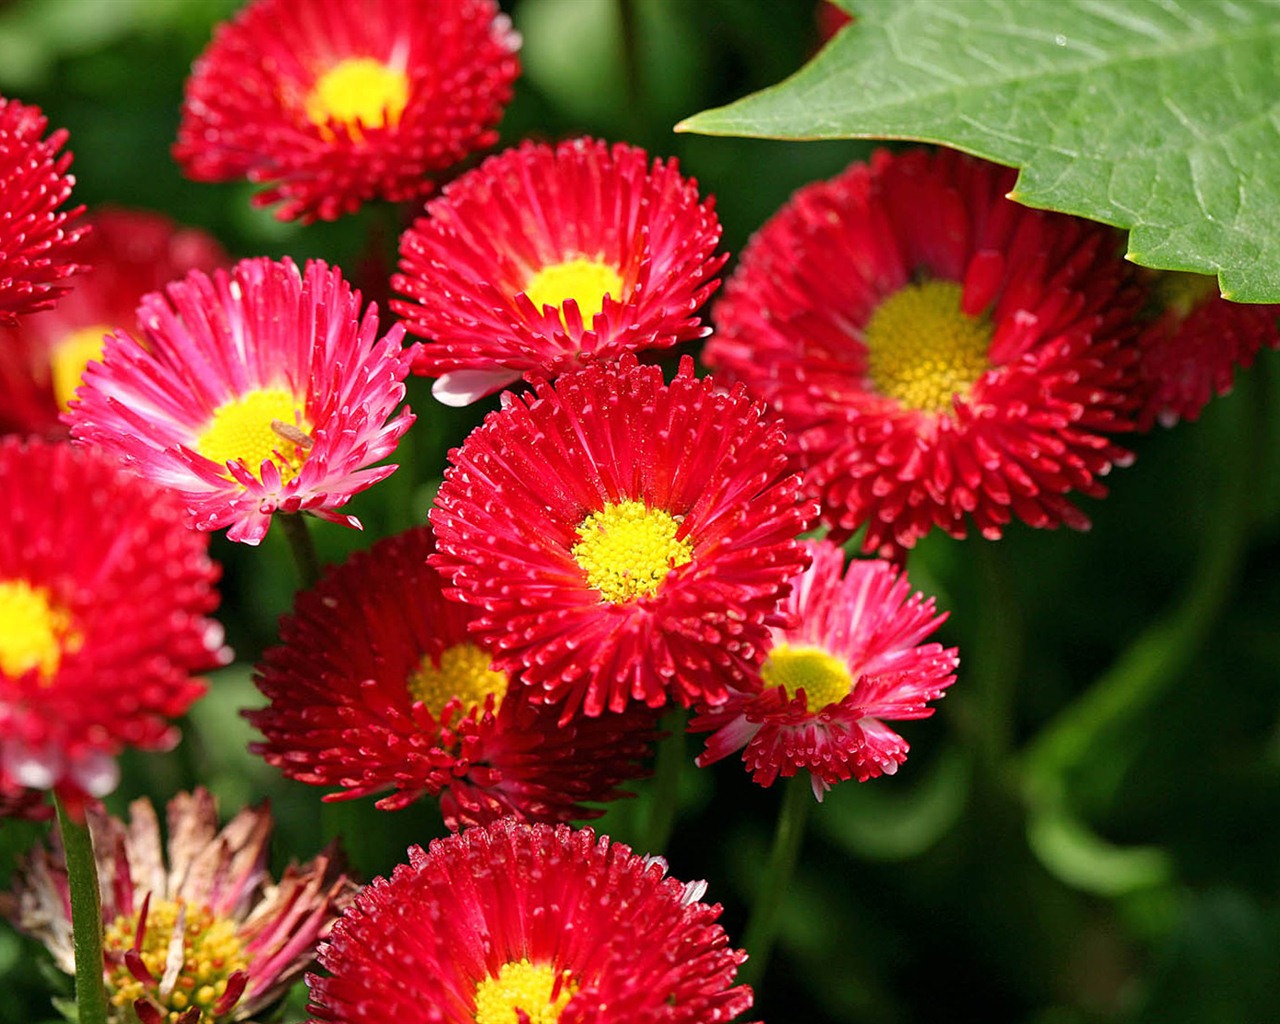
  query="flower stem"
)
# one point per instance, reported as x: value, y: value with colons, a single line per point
x: 665, y: 791
x: 762, y: 928
x: 86, y: 917
x: 303, y: 547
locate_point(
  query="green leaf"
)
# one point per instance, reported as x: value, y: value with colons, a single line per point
x: 1160, y: 116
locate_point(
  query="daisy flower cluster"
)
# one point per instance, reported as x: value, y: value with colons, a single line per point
x: 623, y: 547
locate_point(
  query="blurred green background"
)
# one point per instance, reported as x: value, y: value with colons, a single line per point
x: 1086, y: 831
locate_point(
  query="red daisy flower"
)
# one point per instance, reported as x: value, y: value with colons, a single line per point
x: 376, y: 686
x: 543, y: 259
x: 533, y: 923
x: 36, y: 237
x: 103, y: 598
x: 252, y: 391
x: 1190, y: 353
x: 128, y: 253
x: 333, y: 105
x: 209, y: 941
x: 939, y: 354
x: 624, y: 539
x: 851, y: 659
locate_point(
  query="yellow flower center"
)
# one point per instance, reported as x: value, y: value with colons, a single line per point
x: 824, y: 679
x: 521, y: 985
x: 34, y: 631
x: 464, y: 672
x: 585, y: 281
x: 211, y: 953
x: 922, y: 350
x: 70, y: 356
x: 264, y: 424
x: 358, y: 92
x: 1183, y: 292
x: 627, y: 550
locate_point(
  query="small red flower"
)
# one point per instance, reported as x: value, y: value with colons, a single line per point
x: 543, y: 259
x: 622, y: 538
x: 1191, y: 351
x: 206, y: 938
x: 251, y: 391
x: 851, y: 660
x: 36, y: 238
x: 331, y: 106
x: 128, y: 253
x: 531, y: 923
x: 104, y: 595
x: 940, y: 355
x: 376, y: 686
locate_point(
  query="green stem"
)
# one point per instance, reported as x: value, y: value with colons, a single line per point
x: 665, y: 791
x: 302, y: 546
x: 1156, y: 659
x: 997, y: 658
x: 762, y: 927
x: 86, y: 918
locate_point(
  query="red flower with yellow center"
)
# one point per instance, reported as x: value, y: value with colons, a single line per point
x: 940, y: 355
x: 251, y: 391
x: 332, y: 106
x: 850, y: 660
x: 622, y: 539
x: 377, y: 687
x: 514, y: 922
x: 104, y: 598
x: 542, y: 260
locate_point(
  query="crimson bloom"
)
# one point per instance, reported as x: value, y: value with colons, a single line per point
x: 128, y: 253
x: 531, y: 923
x: 1191, y: 350
x: 36, y: 238
x: 850, y: 660
x: 544, y: 259
x: 332, y: 105
x: 377, y: 686
x: 208, y: 938
x: 622, y: 538
x: 104, y: 595
x: 940, y: 355
x: 252, y: 391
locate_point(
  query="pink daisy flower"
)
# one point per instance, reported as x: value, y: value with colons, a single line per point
x: 1191, y: 351
x: 851, y: 660
x: 208, y: 938
x: 128, y: 253
x: 331, y: 106
x: 543, y: 259
x: 36, y: 238
x: 252, y: 391
x: 376, y: 686
x: 940, y: 355
x: 104, y: 598
x: 528, y: 923
x: 622, y: 539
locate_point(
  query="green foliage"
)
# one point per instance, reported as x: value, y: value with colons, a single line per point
x: 1154, y: 115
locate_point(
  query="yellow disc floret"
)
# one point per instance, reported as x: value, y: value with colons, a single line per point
x: 825, y: 679
x: 524, y: 986
x: 69, y: 358
x: 211, y: 952
x: 464, y: 672
x: 627, y: 550
x: 260, y: 425
x: 585, y: 281
x: 922, y: 349
x: 34, y: 631
x: 358, y: 92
